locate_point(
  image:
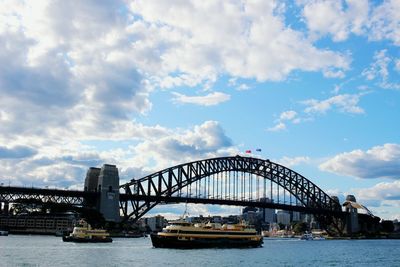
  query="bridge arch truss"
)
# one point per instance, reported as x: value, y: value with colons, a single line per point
x: 237, y: 180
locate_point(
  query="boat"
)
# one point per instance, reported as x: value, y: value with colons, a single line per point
x: 265, y: 233
x: 3, y: 233
x: 307, y: 236
x: 310, y: 236
x: 83, y: 233
x: 182, y: 234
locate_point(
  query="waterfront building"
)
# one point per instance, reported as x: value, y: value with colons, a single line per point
x: 39, y: 224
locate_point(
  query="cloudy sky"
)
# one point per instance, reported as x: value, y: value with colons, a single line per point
x: 149, y: 84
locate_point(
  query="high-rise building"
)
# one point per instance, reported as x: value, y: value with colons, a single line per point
x: 283, y: 217
x: 268, y: 215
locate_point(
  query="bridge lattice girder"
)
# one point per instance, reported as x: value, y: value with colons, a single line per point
x: 145, y: 193
x: 69, y: 197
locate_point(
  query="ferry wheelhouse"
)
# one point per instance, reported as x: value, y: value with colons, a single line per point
x: 182, y: 234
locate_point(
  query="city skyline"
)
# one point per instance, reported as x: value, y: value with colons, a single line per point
x: 145, y: 85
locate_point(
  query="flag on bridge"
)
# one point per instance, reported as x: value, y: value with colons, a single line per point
x: 258, y: 149
x: 248, y: 151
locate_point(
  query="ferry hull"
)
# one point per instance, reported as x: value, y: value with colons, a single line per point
x: 87, y: 240
x: 174, y: 242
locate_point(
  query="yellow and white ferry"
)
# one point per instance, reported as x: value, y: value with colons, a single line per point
x: 182, y: 234
x: 83, y: 233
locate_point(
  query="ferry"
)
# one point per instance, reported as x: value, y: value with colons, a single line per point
x: 182, y: 234
x: 83, y: 233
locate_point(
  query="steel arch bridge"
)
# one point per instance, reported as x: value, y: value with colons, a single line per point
x: 236, y: 180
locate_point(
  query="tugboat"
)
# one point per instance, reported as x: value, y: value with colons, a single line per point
x: 83, y: 233
x: 182, y: 234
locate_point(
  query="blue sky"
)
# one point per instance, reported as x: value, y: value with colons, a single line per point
x: 150, y: 84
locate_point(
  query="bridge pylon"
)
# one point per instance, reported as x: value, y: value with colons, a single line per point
x: 105, y: 181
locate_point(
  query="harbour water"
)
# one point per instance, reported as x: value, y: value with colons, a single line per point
x: 19, y: 250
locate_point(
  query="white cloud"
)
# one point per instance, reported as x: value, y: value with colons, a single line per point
x: 56, y: 76
x: 384, y: 22
x: 280, y: 126
x: 331, y: 17
x: 397, y: 65
x: 243, y: 87
x: 202, y: 141
x: 377, y: 162
x: 63, y: 163
x: 380, y: 70
x: 211, y: 99
x: 383, y: 199
x: 239, y: 86
x: 288, y: 115
x: 246, y: 40
x: 289, y: 162
x: 345, y: 103
x: 381, y: 191
x: 339, y: 19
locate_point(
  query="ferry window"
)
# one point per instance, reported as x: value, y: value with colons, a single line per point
x: 110, y: 188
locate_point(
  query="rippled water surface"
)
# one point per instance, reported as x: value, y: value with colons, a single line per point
x: 51, y: 251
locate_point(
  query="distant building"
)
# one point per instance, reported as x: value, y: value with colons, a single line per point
x: 396, y: 225
x: 283, y: 217
x: 267, y: 215
x: 217, y: 219
x: 250, y: 215
x: 296, y: 216
x: 156, y: 223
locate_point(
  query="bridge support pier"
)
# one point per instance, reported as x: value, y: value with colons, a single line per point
x: 108, y: 186
x: 105, y: 182
x: 352, y: 216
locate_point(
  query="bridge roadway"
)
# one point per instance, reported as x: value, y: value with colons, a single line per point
x: 214, y: 201
x: 9, y: 194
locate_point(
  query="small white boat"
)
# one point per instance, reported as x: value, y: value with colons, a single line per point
x: 307, y: 236
x: 3, y: 233
x: 310, y: 236
x: 318, y: 237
